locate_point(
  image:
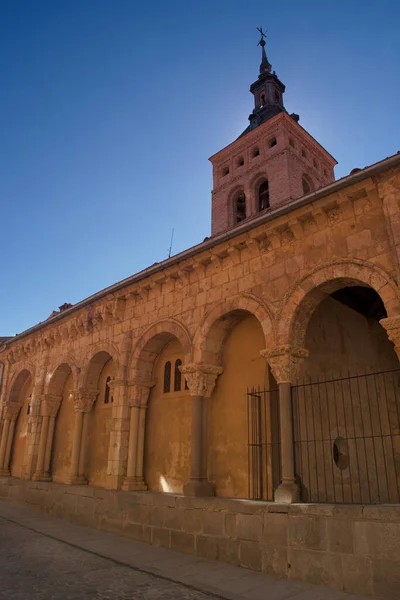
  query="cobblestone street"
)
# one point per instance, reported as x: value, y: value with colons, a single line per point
x: 36, y: 567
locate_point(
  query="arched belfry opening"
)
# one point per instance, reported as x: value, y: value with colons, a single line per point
x: 263, y: 195
x: 239, y: 207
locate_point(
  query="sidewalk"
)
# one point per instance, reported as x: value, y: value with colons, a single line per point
x: 219, y: 579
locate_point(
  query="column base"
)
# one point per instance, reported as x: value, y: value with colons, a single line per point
x: 5, y: 473
x: 288, y: 492
x: 198, y: 488
x: 131, y: 484
x: 78, y: 480
x: 41, y: 477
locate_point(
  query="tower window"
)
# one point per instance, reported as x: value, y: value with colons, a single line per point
x: 315, y: 163
x: 291, y: 142
x: 240, y: 208
x: 167, y: 377
x: 107, y: 391
x: 225, y: 171
x: 303, y: 153
x: 240, y: 161
x: 177, y: 376
x: 272, y: 142
x: 263, y: 196
x: 307, y: 184
x: 256, y: 152
x: 325, y: 173
x: 262, y: 99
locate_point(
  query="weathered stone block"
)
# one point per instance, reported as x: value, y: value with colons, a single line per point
x: 316, y: 567
x: 250, y: 555
x: 357, y: 574
x: 182, y: 541
x: 160, y: 537
x: 275, y: 529
x: 230, y: 525
x: 340, y: 536
x: 157, y: 516
x: 308, y: 532
x: 192, y: 521
x: 217, y: 548
x: 213, y: 522
x: 386, y: 578
x: 173, y: 518
x: 274, y: 559
x: 249, y: 527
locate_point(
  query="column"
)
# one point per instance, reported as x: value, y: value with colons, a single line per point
x: 10, y: 415
x: 201, y: 380
x: 284, y: 362
x: 48, y: 411
x: 83, y: 403
x: 138, y: 398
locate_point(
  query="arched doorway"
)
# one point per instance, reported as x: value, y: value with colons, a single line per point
x: 168, y: 423
x: 20, y: 394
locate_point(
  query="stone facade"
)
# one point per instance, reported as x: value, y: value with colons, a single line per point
x: 142, y: 387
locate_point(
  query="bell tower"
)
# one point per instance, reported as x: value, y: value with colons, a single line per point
x: 273, y: 162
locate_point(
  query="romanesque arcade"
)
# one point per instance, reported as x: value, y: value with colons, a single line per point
x: 168, y: 410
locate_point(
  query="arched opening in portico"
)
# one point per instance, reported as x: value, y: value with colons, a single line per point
x: 168, y: 420
x: 100, y: 373
x: 345, y: 405
x: 233, y: 340
x: 61, y: 386
x: 21, y: 393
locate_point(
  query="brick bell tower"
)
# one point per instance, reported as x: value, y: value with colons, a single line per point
x: 273, y: 162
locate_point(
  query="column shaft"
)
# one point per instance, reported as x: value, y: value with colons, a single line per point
x: 134, y: 471
x: 42, y: 448
x: 84, y: 443
x: 3, y: 445
x: 132, y: 444
x: 140, y: 444
x: 76, y: 446
x: 8, y: 446
x: 288, y: 491
x: 49, y: 448
x: 198, y: 485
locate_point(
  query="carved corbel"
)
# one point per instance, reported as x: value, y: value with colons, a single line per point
x: 200, y: 378
x: 11, y: 411
x: 49, y: 405
x: 392, y: 326
x: 285, y: 362
x: 139, y: 392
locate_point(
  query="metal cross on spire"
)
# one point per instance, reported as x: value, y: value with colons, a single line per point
x: 265, y: 67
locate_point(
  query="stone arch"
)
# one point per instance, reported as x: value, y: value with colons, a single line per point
x: 216, y: 325
x: 91, y: 373
x: 308, y: 292
x: 18, y: 381
x: 57, y: 377
x: 152, y: 341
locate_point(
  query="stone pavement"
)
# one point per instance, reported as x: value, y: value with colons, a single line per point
x: 43, y: 558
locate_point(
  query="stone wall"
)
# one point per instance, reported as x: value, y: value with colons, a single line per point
x: 352, y: 548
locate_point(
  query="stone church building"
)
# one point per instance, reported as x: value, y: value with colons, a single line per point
x: 239, y: 400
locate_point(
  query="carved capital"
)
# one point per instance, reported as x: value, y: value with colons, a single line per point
x: 139, y: 393
x: 11, y: 411
x: 49, y: 405
x: 201, y: 378
x: 392, y: 326
x: 84, y: 400
x: 285, y: 362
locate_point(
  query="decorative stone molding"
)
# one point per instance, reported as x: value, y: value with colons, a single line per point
x: 139, y: 392
x: 84, y: 400
x: 11, y: 411
x: 201, y: 378
x: 285, y: 362
x: 50, y: 404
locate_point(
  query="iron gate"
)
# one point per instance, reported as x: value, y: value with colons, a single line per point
x: 346, y: 439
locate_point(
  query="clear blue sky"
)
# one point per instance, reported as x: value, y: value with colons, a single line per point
x: 109, y: 111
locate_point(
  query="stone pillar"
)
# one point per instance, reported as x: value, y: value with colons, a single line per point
x: 10, y: 414
x: 284, y: 362
x: 392, y: 326
x: 138, y: 398
x: 201, y: 380
x: 83, y: 403
x: 48, y: 409
x: 389, y: 191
